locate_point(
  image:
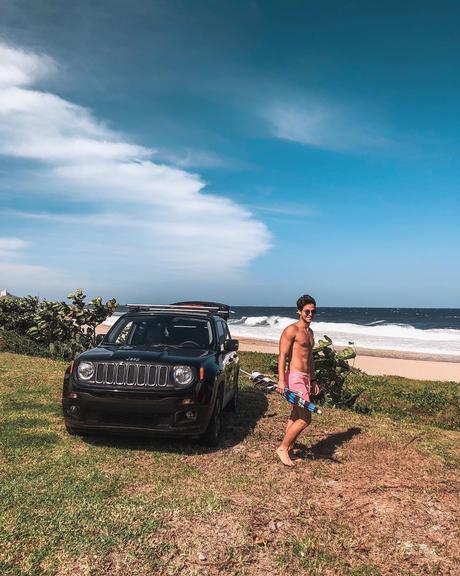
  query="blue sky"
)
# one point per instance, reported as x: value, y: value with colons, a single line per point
x: 241, y: 151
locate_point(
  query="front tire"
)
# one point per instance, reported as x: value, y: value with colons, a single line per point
x: 71, y: 430
x: 76, y: 431
x: 213, y: 432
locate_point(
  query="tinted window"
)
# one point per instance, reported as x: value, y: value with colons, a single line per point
x: 123, y: 334
x: 162, y: 330
x: 221, y: 331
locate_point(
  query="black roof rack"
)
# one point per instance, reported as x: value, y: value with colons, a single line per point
x: 188, y: 308
x: 223, y: 310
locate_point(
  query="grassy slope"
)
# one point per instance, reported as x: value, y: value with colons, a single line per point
x: 418, y: 401
x: 369, y: 495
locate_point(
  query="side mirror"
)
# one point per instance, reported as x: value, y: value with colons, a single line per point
x: 231, y: 345
x: 99, y: 339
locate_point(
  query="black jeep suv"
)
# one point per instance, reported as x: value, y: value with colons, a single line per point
x: 160, y: 370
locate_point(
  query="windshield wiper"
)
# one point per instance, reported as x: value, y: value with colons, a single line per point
x: 160, y: 346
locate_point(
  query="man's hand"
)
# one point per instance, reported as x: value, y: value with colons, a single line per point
x: 280, y: 389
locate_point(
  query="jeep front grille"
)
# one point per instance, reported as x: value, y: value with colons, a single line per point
x: 132, y: 375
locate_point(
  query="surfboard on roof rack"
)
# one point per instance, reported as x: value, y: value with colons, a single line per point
x: 223, y: 310
x: 170, y: 308
x: 205, y: 308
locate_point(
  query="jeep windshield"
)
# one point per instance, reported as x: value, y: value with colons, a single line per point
x: 161, y: 330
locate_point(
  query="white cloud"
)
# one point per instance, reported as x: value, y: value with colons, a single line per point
x: 24, y: 279
x: 321, y: 124
x: 12, y: 243
x: 44, y: 127
x: 196, y: 158
x: 20, y: 277
x: 19, y: 68
x: 172, y: 221
x: 293, y: 209
x: 180, y: 242
x: 10, y: 246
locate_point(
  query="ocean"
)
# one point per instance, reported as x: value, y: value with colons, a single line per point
x: 430, y: 331
x: 416, y: 330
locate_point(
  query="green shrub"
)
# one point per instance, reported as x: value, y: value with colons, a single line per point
x: 331, y: 370
x: 58, y: 329
x: 17, y: 314
x: 73, y: 324
x: 20, y: 344
x: 436, y: 403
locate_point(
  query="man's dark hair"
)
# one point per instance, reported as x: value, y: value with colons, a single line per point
x: 305, y: 299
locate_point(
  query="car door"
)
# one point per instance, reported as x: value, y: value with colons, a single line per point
x: 224, y: 358
x: 232, y: 363
x: 228, y: 361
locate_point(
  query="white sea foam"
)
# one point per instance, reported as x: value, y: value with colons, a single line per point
x: 400, y: 337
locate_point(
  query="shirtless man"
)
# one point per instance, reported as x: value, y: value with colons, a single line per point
x: 296, y: 345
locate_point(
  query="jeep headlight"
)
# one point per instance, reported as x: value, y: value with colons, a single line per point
x: 85, y: 370
x: 182, y: 375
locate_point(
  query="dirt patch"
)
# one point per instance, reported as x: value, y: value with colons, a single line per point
x: 401, y: 506
x: 352, y: 505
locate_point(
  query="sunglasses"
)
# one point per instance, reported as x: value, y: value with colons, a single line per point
x: 310, y: 312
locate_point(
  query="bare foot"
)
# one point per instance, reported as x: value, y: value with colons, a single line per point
x: 283, y: 455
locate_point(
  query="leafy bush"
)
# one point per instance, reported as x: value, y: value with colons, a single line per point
x: 20, y: 344
x: 17, y: 314
x: 331, y: 370
x: 61, y: 329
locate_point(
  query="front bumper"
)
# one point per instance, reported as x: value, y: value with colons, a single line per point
x: 112, y: 412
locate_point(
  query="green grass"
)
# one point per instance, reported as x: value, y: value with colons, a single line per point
x: 436, y: 403
x: 43, y: 470
x: 101, y: 505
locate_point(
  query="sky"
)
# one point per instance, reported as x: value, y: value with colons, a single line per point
x: 244, y: 152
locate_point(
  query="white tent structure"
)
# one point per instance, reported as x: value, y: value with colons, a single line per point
x: 6, y: 294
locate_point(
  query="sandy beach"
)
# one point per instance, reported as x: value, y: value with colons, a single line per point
x: 375, y: 362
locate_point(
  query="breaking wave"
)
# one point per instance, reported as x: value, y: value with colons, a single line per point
x: 376, y: 335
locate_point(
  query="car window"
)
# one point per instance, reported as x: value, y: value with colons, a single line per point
x: 188, y: 331
x: 148, y: 333
x: 122, y: 335
x: 220, y: 331
x: 162, y: 330
x: 210, y: 335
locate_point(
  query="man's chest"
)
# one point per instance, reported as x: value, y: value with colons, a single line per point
x: 305, y: 339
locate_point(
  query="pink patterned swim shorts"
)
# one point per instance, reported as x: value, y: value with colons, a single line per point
x: 298, y: 382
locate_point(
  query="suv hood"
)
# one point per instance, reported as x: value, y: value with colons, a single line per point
x: 161, y: 354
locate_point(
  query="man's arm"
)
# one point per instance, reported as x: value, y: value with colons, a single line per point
x: 313, y: 383
x: 286, y: 342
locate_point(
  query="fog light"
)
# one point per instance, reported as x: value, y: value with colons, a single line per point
x: 73, y: 410
x: 191, y: 415
x: 73, y: 395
